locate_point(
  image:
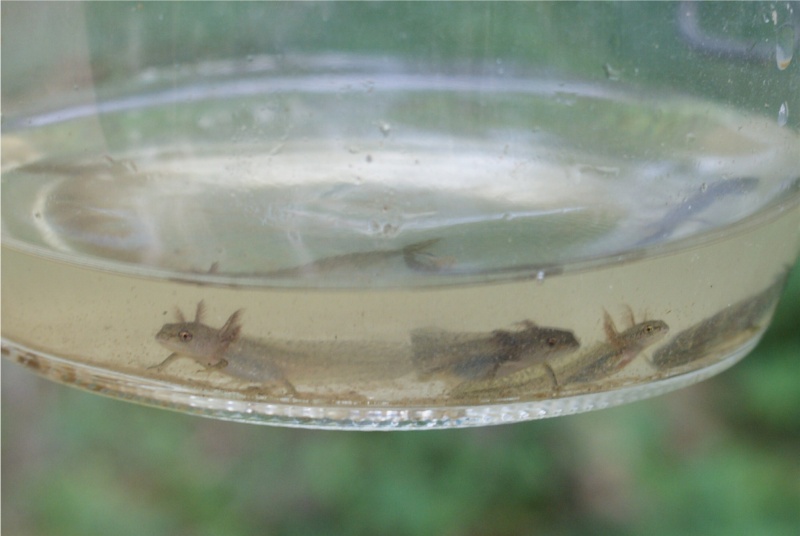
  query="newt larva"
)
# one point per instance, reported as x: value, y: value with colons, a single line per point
x: 361, y: 263
x: 612, y: 355
x: 721, y: 331
x: 222, y: 349
x: 570, y: 371
x: 332, y: 370
x: 414, y: 256
x: 691, y: 206
x: 481, y: 356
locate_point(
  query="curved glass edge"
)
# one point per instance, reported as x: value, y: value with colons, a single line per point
x: 344, y: 417
x: 788, y: 197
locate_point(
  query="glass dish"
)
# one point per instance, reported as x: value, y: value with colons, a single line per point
x: 395, y: 215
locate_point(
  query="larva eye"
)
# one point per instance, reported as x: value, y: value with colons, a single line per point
x: 551, y: 341
x: 185, y: 336
x: 649, y: 328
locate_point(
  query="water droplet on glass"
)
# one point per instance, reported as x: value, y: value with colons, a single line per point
x: 783, y: 115
x: 784, y: 45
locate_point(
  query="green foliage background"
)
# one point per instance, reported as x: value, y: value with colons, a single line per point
x: 721, y: 457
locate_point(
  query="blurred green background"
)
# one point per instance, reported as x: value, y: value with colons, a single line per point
x: 721, y: 457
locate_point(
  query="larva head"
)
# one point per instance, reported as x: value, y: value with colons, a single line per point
x: 647, y: 332
x: 198, y: 341
x: 192, y: 339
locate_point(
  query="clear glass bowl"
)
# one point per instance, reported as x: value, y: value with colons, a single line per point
x: 395, y: 215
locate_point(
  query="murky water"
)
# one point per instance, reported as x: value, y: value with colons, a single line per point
x: 449, y: 257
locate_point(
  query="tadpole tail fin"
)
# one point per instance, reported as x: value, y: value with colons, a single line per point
x: 416, y: 258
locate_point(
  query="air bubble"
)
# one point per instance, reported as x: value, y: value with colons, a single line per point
x: 784, y: 45
x: 783, y: 115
